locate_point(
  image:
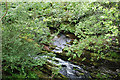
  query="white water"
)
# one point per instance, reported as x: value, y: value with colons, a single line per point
x: 67, y: 67
x: 60, y: 42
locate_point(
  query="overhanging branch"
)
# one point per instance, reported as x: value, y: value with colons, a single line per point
x: 5, y: 12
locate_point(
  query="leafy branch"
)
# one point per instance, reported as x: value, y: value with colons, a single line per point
x: 5, y: 12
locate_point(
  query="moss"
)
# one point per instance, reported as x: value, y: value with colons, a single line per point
x: 40, y: 74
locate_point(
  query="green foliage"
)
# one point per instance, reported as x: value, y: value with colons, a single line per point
x: 21, y: 32
x: 101, y: 76
x: 26, y: 27
x: 97, y: 29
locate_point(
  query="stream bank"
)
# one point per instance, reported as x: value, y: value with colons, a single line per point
x: 96, y: 69
x: 67, y: 69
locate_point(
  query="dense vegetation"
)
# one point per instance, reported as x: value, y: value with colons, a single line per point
x: 26, y: 32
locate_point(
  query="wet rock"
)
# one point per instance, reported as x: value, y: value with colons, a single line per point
x: 78, y: 73
x: 69, y: 71
x: 118, y: 70
x: 63, y: 65
x: 71, y: 36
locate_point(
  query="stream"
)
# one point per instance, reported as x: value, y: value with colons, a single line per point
x: 73, y: 72
x: 69, y: 70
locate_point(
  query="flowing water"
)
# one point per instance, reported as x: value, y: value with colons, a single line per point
x: 73, y: 72
x: 60, y: 42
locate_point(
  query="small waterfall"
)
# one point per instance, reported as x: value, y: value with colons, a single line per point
x: 69, y: 70
x: 60, y: 42
x: 73, y: 72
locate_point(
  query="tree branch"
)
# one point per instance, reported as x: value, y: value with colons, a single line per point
x: 5, y: 12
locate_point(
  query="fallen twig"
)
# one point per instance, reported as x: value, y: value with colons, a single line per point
x: 52, y: 76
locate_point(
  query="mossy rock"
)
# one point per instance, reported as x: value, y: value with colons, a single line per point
x: 40, y: 74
